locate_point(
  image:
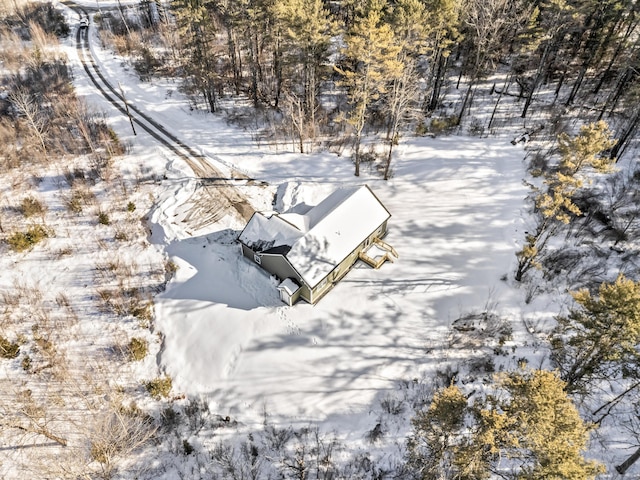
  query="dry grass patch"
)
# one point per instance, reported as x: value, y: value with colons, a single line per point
x: 137, y: 349
x: 31, y: 206
x: 8, y: 349
x: 79, y: 198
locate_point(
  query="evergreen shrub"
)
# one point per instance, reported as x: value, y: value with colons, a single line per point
x: 21, y: 241
x: 159, y: 387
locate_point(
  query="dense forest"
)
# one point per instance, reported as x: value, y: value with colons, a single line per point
x: 328, y: 69
x: 351, y: 76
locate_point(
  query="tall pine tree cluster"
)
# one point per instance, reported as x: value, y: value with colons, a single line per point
x: 527, y: 428
x: 381, y: 68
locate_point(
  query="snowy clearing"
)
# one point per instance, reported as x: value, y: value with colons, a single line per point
x: 221, y: 332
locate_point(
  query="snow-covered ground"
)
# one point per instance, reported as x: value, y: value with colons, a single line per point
x: 456, y: 205
x: 456, y: 216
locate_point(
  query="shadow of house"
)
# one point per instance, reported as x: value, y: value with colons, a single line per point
x: 310, y: 251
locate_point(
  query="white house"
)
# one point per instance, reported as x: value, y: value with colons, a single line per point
x: 310, y: 252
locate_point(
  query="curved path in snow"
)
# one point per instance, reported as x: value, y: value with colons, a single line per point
x: 217, y: 195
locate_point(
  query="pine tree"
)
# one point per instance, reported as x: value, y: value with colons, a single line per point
x: 409, y: 18
x: 546, y: 35
x: 488, y: 24
x: 528, y: 429
x: 372, y: 55
x: 253, y: 44
x: 604, y: 20
x: 441, y: 446
x: 198, y: 35
x: 443, y: 19
x: 538, y: 425
x: 556, y: 203
x: 622, y: 42
x: 307, y: 29
x: 554, y: 206
x: 630, y: 101
x: 585, y: 149
x: 600, y: 336
x: 262, y: 35
x: 231, y: 15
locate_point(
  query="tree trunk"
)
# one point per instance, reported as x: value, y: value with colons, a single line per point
x: 507, y: 82
x: 277, y: 67
x: 583, y: 364
x: 211, y: 98
x: 560, y: 84
x: 621, y: 89
x: 387, y: 167
x: 612, y: 99
x: 233, y: 57
x: 622, y: 141
x: 356, y: 149
x: 466, y: 101
x: 578, y: 83
x: 621, y: 45
x: 624, y: 466
x: 536, y: 80
x: 310, y: 98
x: 595, y: 43
x: 438, y: 80
x: 254, y: 68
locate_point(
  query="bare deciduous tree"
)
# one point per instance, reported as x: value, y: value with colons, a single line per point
x: 488, y: 22
x: 27, y: 106
x: 401, y: 97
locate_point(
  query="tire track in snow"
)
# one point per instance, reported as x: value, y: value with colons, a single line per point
x: 216, y: 195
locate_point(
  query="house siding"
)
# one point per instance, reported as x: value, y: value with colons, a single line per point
x: 278, y: 265
x: 289, y: 299
x: 305, y: 294
x: 246, y: 251
x: 295, y: 297
x: 275, y: 264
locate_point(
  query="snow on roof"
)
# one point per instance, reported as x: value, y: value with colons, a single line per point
x: 301, y: 222
x: 262, y: 233
x: 289, y: 286
x: 338, y: 225
x: 320, y: 239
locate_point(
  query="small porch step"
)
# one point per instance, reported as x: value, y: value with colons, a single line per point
x: 377, y: 253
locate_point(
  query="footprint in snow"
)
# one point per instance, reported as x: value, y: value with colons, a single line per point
x: 232, y: 364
